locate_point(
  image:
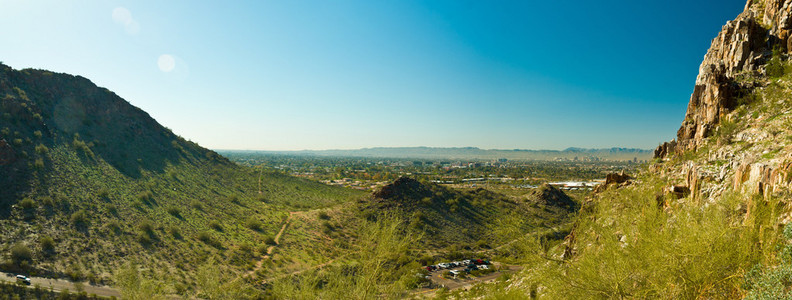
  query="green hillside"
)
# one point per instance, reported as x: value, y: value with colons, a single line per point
x: 91, y: 182
x: 468, y: 219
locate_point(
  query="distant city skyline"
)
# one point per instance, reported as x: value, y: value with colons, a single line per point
x: 296, y: 75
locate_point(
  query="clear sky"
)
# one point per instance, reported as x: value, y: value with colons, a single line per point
x: 290, y: 75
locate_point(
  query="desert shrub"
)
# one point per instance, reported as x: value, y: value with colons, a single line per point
x: 270, y: 240
x: 41, y: 149
x: 47, y: 244
x: 196, y: 205
x: 112, y: 209
x: 82, y: 146
x: 21, y: 253
x: 426, y: 260
x: 775, y: 67
x: 79, y: 219
x: 628, y: 247
x: 175, y: 232
x: 144, y: 239
x: 47, y: 202
x: 75, y: 272
x: 374, y: 274
x: 174, y: 211
x: 216, y: 226
x: 113, y: 226
x: 103, y: 193
x: 133, y: 285
x: 772, y: 282
x: 726, y: 131
x: 254, y: 223
x: 27, y: 204
x: 426, y: 201
x: 146, y: 197
x: 327, y: 228
x: 38, y: 164
x: 323, y: 215
x: 146, y: 227
x: 209, y: 239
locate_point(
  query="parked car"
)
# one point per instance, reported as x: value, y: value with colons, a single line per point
x: 23, y: 279
x: 483, y: 267
x: 455, y: 272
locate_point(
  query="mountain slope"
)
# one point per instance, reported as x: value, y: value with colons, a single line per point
x: 91, y: 182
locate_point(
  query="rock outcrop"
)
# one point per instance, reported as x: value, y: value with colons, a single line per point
x: 744, y: 45
x: 619, y: 179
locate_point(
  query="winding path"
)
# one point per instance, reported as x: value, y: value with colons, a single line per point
x: 270, y: 249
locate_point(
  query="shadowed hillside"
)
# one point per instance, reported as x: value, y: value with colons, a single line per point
x: 90, y: 182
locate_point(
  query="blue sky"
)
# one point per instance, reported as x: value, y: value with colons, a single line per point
x: 290, y: 75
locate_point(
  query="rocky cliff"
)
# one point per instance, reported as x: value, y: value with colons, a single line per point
x: 743, y: 47
x: 739, y: 119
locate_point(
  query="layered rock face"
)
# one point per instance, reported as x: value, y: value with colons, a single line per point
x: 743, y: 45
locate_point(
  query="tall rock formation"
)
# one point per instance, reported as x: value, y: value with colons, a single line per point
x: 744, y: 45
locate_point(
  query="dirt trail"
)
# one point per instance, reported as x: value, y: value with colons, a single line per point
x: 270, y: 249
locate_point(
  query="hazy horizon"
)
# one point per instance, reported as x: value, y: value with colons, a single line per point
x: 433, y: 147
x: 359, y: 74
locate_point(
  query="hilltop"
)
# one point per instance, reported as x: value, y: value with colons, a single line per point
x: 91, y: 183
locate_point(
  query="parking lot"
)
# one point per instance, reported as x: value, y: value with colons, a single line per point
x: 460, y: 278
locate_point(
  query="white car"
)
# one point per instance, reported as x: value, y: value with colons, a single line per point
x: 455, y: 272
x: 483, y: 267
x: 22, y: 278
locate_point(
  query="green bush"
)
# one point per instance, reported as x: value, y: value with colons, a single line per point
x: 75, y: 272
x: 41, y: 149
x: 38, y: 164
x: 175, y: 232
x: 196, y: 205
x: 174, y: 211
x: 79, y: 219
x: 216, y: 226
x: 629, y: 247
x: 27, y: 204
x: 254, y: 224
x: 208, y: 239
x: 270, y: 240
x: 775, y: 68
x: 47, y: 244
x: 21, y: 253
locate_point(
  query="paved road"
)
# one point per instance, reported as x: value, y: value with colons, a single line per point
x: 60, y: 285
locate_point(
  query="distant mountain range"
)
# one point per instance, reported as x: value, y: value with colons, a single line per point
x: 473, y: 153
